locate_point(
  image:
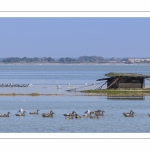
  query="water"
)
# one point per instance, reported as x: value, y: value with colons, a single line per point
x: 63, y: 74
x: 44, y: 79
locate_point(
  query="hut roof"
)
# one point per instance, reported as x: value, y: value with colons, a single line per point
x: 114, y: 74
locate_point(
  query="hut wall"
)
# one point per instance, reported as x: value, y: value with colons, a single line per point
x: 126, y: 82
x: 130, y: 85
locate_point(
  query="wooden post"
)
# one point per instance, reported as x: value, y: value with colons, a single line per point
x: 112, y: 83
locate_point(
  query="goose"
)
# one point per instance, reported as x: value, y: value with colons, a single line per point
x: 21, y: 114
x: 77, y: 116
x: 5, y: 115
x: 69, y: 117
x: 102, y: 113
x: 98, y: 110
x: 70, y: 114
x: 99, y: 113
x: 48, y: 114
x: 88, y: 114
x: 149, y: 115
x: 93, y: 117
x: 129, y: 114
x: 34, y: 113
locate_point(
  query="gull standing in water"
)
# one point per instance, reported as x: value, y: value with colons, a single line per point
x: 21, y: 114
x: 85, y: 85
x: 58, y: 87
x: 87, y: 113
x: 21, y: 111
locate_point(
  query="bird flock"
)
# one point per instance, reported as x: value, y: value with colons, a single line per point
x: 87, y: 114
x: 14, y: 85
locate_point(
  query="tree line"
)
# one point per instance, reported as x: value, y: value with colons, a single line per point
x: 81, y: 59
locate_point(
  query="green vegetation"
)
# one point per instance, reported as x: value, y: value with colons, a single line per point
x: 113, y: 74
x: 31, y: 94
x: 120, y: 92
x: 82, y: 59
x: 27, y: 60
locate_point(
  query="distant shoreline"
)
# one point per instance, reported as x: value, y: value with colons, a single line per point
x: 46, y: 64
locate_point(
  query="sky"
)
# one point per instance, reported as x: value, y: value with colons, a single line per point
x: 74, y: 37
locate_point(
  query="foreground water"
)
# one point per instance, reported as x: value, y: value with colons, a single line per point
x: 44, y: 79
x: 113, y: 120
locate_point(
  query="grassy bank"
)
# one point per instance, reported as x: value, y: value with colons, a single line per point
x: 102, y: 92
x: 120, y: 92
x: 30, y: 94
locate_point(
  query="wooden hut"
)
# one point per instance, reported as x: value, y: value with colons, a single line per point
x: 124, y: 80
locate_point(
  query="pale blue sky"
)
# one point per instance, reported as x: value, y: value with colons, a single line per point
x: 74, y: 37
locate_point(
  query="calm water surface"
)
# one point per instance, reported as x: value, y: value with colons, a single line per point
x: 44, y: 79
x: 113, y: 120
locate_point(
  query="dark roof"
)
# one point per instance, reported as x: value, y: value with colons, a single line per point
x: 114, y: 74
x: 102, y: 79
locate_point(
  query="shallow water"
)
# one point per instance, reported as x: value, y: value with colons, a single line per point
x: 113, y: 120
x: 77, y: 74
x: 45, y: 78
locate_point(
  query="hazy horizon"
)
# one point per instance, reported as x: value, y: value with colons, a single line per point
x: 78, y: 57
x: 75, y: 37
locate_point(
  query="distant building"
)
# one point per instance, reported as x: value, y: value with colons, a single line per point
x: 138, y: 60
x: 124, y: 80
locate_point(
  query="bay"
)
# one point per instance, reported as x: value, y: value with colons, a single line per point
x: 45, y: 78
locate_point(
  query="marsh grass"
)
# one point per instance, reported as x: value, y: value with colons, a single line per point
x: 30, y: 94
x: 102, y: 92
x: 120, y: 92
